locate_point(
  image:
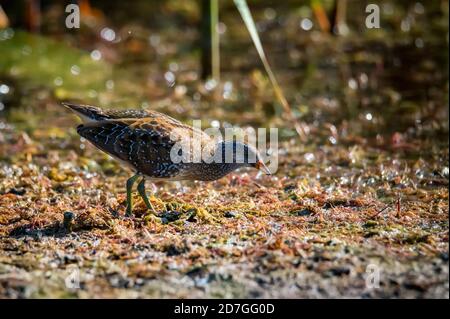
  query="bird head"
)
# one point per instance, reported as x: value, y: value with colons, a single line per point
x: 242, y: 154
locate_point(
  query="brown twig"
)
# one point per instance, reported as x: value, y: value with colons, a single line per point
x: 380, y: 211
x: 399, y: 206
x: 258, y: 185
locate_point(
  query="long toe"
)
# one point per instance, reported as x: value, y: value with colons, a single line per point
x: 152, y: 217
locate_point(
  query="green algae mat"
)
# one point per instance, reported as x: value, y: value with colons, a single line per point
x: 359, y: 209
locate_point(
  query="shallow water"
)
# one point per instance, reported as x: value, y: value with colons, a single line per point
x: 369, y: 184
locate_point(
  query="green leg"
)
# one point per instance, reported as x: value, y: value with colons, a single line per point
x: 130, y: 183
x: 141, y: 190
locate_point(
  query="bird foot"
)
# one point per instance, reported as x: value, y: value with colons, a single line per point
x: 151, y: 216
x: 128, y: 212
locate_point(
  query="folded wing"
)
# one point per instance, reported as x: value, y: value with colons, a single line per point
x: 144, y: 144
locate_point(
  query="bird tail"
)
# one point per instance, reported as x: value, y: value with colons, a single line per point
x: 86, y: 113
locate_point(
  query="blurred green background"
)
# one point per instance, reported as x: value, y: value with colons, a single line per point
x: 332, y: 68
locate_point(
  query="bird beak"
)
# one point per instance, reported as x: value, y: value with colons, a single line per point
x: 262, y: 167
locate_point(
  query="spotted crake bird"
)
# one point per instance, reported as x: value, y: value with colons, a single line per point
x: 153, y: 145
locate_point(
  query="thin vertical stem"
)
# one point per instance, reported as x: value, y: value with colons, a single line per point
x: 321, y: 15
x: 210, y: 59
x: 205, y: 39
x: 215, y: 43
x: 251, y: 27
x: 33, y: 15
x: 339, y: 17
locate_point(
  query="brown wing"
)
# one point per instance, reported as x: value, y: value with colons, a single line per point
x: 95, y: 113
x: 121, y: 114
x: 147, y: 115
x: 145, y: 144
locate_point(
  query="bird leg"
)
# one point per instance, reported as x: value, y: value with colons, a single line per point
x: 130, y: 183
x: 141, y: 190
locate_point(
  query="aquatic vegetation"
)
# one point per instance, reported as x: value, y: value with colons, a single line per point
x: 368, y: 188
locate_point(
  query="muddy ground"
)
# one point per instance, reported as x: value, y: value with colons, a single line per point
x: 358, y: 209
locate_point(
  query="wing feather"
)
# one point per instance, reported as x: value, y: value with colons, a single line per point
x: 144, y: 143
